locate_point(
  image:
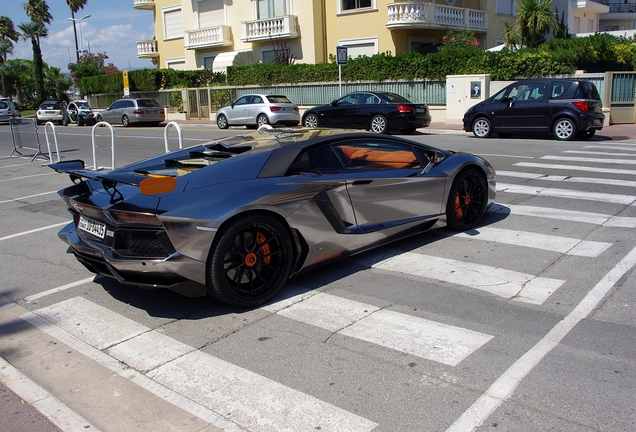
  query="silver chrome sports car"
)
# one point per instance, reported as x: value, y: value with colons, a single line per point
x: 238, y: 216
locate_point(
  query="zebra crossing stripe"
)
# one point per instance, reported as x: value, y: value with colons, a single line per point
x: 504, y: 283
x: 611, y: 182
x: 564, y: 245
x: 568, y: 215
x: 245, y: 398
x: 566, y: 193
x: 431, y: 340
x: 592, y: 160
x: 577, y: 168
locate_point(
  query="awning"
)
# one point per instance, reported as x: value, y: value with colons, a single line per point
x: 232, y: 58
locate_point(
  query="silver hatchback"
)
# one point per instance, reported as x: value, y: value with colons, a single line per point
x: 133, y: 111
x: 7, y: 110
x: 254, y: 110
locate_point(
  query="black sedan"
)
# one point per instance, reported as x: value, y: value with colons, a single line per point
x: 378, y: 112
x: 237, y: 217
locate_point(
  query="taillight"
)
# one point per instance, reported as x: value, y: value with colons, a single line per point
x: 405, y: 109
x: 296, y: 109
x: 161, y: 111
x: 134, y: 218
x: 582, y: 105
x: 138, y: 112
x: 274, y: 108
x: 9, y: 111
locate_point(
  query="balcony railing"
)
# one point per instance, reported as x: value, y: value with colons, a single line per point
x: 619, y: 6
x: 144, y: 4
x: 283, y: 27
x: 208, y: 37
x: 430, y: 15
x: 147, y: 49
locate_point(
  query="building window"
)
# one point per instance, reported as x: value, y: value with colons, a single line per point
x: 360, y: 47
x: 172, y: 24
x: 207, y: 62
x: 211, y: 13
x: 178, y: 64
x: 422, y: 45
x: 348, y: 5
x: 506, y: 7
x: 271, y: 8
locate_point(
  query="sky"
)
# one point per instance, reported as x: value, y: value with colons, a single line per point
x: 114, y: 28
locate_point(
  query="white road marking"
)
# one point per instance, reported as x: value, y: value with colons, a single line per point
x: 504, y: 283
x: 598, y: 153
x: 253, y: 402
x: 503, y: 388
x: 33, y: 231
x: 611, y: 182
x: 565, y: 245
x: 431, y: 340
x: 29, y: 176
x: 37, y: 296
x: 566, y: 193
x: 27, y: 197
x: 625, y: 146
x: 568, y: 215
x: 577, y: 168
x: 622, y: 161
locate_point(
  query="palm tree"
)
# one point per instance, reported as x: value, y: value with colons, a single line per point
x: 34, y: 31
x: 18, y: 71
x: 510, y: 35
x: 38, y: 11
x: 8, y: 35
x: 76, y: 5
x: 534, y: 19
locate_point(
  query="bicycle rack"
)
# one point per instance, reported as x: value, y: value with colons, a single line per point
x: 179, y: 135
x: 48, y: 142
x: 112, y: 146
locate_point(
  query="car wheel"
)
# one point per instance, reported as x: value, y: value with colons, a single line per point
x: 467, y: 200
x: 482, y: 128
x: 250, y: 262
x: 311, y: 120
x: 80, y: 121
x: 379, y: 124
x: 125, y: 121
x: 99, y: 119
x: 564, y: 129
x: 586, y: 135
x: 65, y: 121
x: 408, y: 131
x: 221, y: 122
x: 262, y: 120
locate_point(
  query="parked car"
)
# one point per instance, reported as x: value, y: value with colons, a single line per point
x: 255, y: 110
x: 7, y: 110
x: 239, y: 215
x: 130, y: 111
x: 80, y: 113
x: 51, y: 111
x: 378, y: 112
x: 567, y: 108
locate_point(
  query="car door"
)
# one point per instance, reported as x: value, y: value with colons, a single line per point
x: 388, y: 183
x: 341, y: 113
x: 238, y: 113
x: 254, y: 108
x: 525, y: 106
x: 112, y: 114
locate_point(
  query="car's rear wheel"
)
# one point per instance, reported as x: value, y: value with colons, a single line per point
x: 99, y: 119
x: 467, y: 200
x: 379, y: 124
x: 482, y: 128
x: 564, y: 129
x: 586, y: 135
x: 311, y: 120
x: 221, y: 122
x: 125, y: 121
x: 250, y: 262
x: 262, y: 120
x: 65, y: 121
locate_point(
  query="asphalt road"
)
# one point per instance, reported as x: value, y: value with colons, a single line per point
x: 524, y: 323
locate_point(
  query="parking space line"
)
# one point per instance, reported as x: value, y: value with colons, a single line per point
x: 33, y: 231
x: 27, y: 197
x: 37, y: 296
x: 29, y: 176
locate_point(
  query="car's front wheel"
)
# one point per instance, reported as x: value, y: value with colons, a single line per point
x: 467, y: 200
x: 482, y: 128
x: 99, y: 119
x: 564, y: 129
x: 221, y: 122
x: 250, y: 262
x: 125, y: 121
x: 311, y: 120
x: 379, y: 124
x: 262, y: 120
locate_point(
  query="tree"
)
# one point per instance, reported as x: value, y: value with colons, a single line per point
x: 75, y: 6
x: 19, y: 75
x: 510, y: 35
x: 8, y: 35
x: 90, y: 65
x: 39, y: 13
x: 534, y: 19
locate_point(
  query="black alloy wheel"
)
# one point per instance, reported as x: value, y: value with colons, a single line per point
x: 467, y: 200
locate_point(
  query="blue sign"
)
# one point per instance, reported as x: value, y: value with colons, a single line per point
x: 341, y: 55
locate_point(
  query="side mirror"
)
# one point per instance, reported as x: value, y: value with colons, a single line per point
x: 506, y: 99
x: 334, y: 103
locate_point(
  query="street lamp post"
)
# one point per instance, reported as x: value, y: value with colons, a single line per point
x: 79, y: 20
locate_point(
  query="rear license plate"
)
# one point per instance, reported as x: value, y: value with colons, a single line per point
x: 151, y: 112
x: 49, y: 112
x: 420, y: 110
x: 92, y: 227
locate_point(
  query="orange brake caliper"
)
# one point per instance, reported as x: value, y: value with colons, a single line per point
x: 251, y: 258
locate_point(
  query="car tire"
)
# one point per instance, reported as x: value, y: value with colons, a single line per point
x: 379, y: 124
x: 80, y: 121
x: 221, y: 122
x: 482, y: 127
x: 467, y: 200
x: 311, y: 120
x: 262, y: 120
x: 564, y: 129
x: 98, y: 119
x: 65, y: 121
x: 125, y: 121
x: 586, y: 135
x: 250, y: 260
